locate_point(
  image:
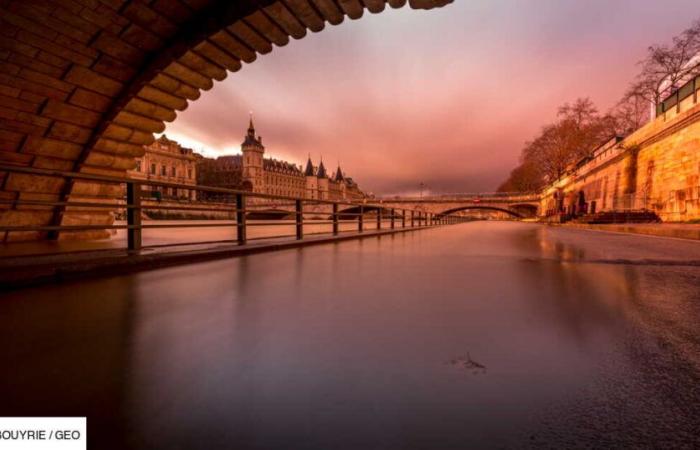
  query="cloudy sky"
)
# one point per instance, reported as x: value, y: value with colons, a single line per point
x: 444, y: 97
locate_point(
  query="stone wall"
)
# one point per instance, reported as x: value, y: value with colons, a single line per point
x: 84, y: 84
x: 656, y: 168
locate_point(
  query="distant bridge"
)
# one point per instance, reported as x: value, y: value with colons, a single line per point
x: 520, y: 205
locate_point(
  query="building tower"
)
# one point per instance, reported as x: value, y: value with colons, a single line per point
x: 340, y: 179
x: 322, y: 182
x: 253, y: 151
x: 311, y: 180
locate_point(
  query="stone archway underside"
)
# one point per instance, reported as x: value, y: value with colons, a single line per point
x: 510, y: 212
x: 85, y: 83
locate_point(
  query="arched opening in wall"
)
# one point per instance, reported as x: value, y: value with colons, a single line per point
x: 109, y: 85
x: 483, y: 212
x: 526, y: 210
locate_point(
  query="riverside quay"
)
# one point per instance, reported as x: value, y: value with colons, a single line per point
x: 469, y: 225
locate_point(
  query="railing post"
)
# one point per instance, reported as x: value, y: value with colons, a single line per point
x: 241, y: 234
x: 335, y: 218
x: 392, y: 218
x: 300, y: 219
x: 403, y: 218
x: 379, y: 219
x: 133, y: 215
x: 413, y: 219
x: 360, y: 220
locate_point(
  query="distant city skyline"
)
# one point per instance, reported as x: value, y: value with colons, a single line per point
x: 393, y: 99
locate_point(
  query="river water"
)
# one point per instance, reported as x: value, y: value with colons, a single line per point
x: 486, y: 334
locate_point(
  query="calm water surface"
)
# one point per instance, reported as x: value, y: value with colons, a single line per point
x: 478, y: 335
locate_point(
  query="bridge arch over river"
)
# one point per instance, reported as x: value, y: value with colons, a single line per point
x: 86, y: 84
x: 518, y: 205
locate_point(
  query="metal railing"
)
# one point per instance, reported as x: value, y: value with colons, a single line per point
x: 234, y: 206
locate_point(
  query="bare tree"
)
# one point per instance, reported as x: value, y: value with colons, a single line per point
x: 526, y: 177
x: 630, y: 114
x: 667, y: 67
x: 578, y: 130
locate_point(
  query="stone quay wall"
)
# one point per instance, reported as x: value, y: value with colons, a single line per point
x: 656, y: 168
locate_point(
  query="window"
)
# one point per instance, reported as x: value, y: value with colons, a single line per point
x: 189, y: 173
x: 153, y: 169
x: 138, y: 166
x: 172, y: 171
x: 163, y: 170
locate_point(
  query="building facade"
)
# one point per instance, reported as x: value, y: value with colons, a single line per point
x: 270, y: 176
x: 166, y: 160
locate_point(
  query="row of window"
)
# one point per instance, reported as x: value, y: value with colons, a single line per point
x: 285, y: 181
x: 163, y: 170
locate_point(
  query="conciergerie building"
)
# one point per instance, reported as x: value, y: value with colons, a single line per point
x: 168, y: 161
x: 253, y: 172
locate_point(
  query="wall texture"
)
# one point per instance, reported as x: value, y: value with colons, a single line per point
x: 84, y: 84
x: 656, y: 168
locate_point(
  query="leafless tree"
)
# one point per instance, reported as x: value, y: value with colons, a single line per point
x: 630, y: 114
x: 667, y: 67
x: 524, y: 178
x: 578, y: 130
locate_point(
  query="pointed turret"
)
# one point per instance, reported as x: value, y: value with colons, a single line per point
x: 322, y: 171
x: 339, y: 175
x: 309, y: 172
x: 253, y: 159
x: 250, y: 138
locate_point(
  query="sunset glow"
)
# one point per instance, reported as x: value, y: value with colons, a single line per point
x: 446, y: 97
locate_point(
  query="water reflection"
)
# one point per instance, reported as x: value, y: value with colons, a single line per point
x: 344, y: 346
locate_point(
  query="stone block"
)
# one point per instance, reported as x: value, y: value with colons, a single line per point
x: 90, y: 100
x: 68, y: 132
x: 115, y: 47
x: 148, y: 109
x: 88, y: 79
x: 49, y: 46
x: 71, y: 114
x: 203, y: 66
x: 214, y: 53
x: 52, y: 147
x: 23, y: 218
x: 231, y: 44
x: 20, y: 182
x: 119, y: 148
x: 106, y: 65
x: 172, y: 86
x: 188, y: 76
x: 139, y: 122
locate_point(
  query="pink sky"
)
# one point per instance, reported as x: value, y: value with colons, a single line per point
x: 444, y: 97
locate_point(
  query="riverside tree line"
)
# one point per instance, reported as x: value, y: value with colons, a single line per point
x: 580, y: 127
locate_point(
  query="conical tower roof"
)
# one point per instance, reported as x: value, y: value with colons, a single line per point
x: 309, y: 172
x: 322, y: 171
x: 339, y: 174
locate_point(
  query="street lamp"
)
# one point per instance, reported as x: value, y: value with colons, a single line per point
x: 421, y: 190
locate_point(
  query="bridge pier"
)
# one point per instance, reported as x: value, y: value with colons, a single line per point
x: 240, y: 219
x: 300, y: 219
x: 335, y: 219
x: 360, y: 220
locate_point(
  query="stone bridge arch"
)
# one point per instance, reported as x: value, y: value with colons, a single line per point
x: 510, y: 211
x: 86, y: 83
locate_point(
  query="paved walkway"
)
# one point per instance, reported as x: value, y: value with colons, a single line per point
x: 20, y: 270
x: 670, y: 230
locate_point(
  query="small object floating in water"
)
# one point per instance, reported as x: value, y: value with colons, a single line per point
x: 466, y: 363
